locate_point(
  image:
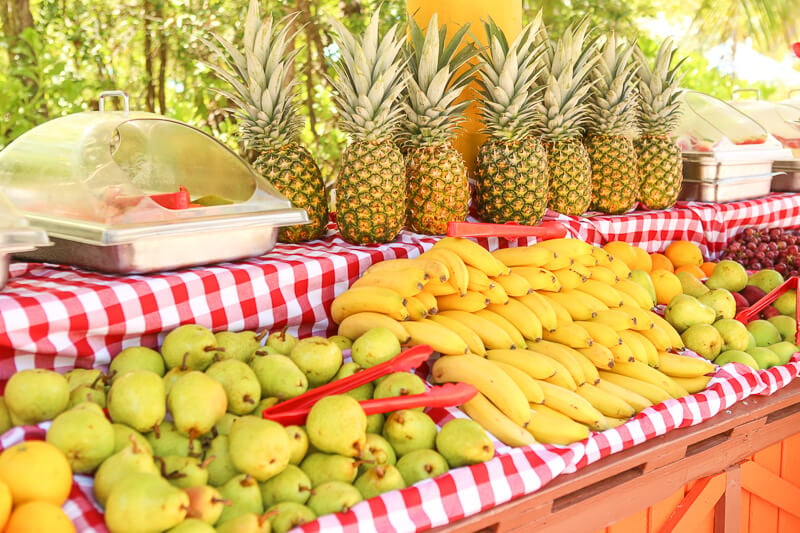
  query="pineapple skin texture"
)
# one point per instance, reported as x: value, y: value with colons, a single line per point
x: 437, y: 188
x: 660, y: 169
x: 371, y: 192
x: 511, y: 181
x: 294, y: 173
x: 615, y: 175
x: 570, y: 176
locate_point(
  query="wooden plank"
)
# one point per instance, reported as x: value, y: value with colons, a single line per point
x: 728, y: 511
x: 770, y: 488
x: 790, y: 471
x: 634, y: 523
x: 660, y: 511
x: 762, y: 511
x: 696, y: 505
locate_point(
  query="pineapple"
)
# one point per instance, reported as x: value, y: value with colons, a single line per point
x: 568, y: 61
x: 370, y: 188
x: 511, y: 171
x: 660, y: 164
x: 437, y: 188
x: 609, y: 135
x: 263, y: 91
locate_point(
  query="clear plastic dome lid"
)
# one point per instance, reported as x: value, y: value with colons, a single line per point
x: 781, y: 120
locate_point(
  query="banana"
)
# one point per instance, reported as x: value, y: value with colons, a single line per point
x: 658, y: 337
x: 569, y: 247
x: 568, y: 334
x: 529, y: 386
x: 628, y: 300
x: 615, y: 318
x: 582, y: 269
x: 521, y: 316
x: 675, y: 338
x: 470, y: 302
x: 577, y: 307
x: 623, y: 354
x: 551, y: 427
x: 642, y: 318
x: 540, y: 279
x: 435, y: 270
x: 620, y: 268
x: 406, y: 282
x: 513, y: 283
x: 527, y: 256
x: 439, y: 288
x: 587, y: 260
x: 428, y: 301
x: 589, y: 370
x: 493, y: 420
x: 643, y: 372
x: 478, y: 280
x: 561, y: 261
x: 652, y: 393
x: 496, y: 294
x: 598, y: 355
x: 489, y: 379
x: 355, y: 325
x: 474, y: 342
x: 536, y: 365
x: 635, y: 346
x: 492, y: 335
x: 600, y: 333
x: 416, y: 309
x: 473, y: 254
x: 637, y: 292
x: 569, y: 278
x: 649, y: 349
x: 613, y: 422
x: 602, y: 257
x: 377, y: 299
x: 604, y: 274
x: 632, y: 398
x: 683, y: 366
x: 541, y: 307
x: 566, y: 357
x: 459, y: 277
x: 602, y: 291
x: 605, y: 402
x: 511, y: 329
x: 693, y: 384
x: 436, y: 335
x: 570, y: 403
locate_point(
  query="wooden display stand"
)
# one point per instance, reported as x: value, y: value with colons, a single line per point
x: 731, y: 473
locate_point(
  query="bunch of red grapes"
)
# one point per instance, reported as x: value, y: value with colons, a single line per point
x: 775, y: 248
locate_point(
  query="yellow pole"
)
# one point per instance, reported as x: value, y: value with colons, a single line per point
x: 508, y: 16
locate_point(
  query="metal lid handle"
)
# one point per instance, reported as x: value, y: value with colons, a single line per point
x: 108, y: 94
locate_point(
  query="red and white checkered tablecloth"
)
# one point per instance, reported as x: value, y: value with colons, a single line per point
x: 60, y: 317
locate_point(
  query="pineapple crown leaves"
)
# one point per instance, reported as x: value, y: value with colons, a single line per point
x: 370, y: 78
x: 612, y: 99
x: 436, y: 79
x: 659, y: 92
x: 568, y: 63
x: 260, y: 79
x: 507, y: 80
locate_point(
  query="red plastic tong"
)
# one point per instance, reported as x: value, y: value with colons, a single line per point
x: 550, y: 229
x: 295, y: 410
x: 746, y: 315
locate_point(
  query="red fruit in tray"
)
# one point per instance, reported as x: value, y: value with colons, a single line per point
x: 741, y: 301
x: 769, y: 312
x: 752, y: 294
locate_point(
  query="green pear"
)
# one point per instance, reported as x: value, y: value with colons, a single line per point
x: 279, y: 376
x: 298, y: 444
x: 462, y: 441
x: 765, y: 279
x: 224, y: 424
x: 129, y: 459
x: 137, y: 399
x: 643, y: 279
x: 5, y: 416
x: 167, y: 440
x: 205, y: 503
x: 378, y: 451
x: 765, y: 357
x: 240, y: 383
x: 197, y: 402
x: 341, y: 341
x: 333, y: 497
x: 684, y: 311
x: 87, y: 393
x: 136, y: 358
x: 421, y: 464
x: 362, y: 392
x: 337, y: 424
x: 290, y: 485
x: 125, y: 436
x: 144, y: 502
x: 285, y: 516
x: 375, y: 423
x: 736, y: 356
x: 399, y: 384
x: 244, y: 494
x: 764, y: 332
x: 238, y: 345
x: 190, y: 345
x: 35, y: 395
x: 785, y: 350
x: 220, y: 466
x: 408, y: 430
x: 703, y: 339
x: 379, y: 479
x: 245, y: 523
x: 786, y: 303
x: 318, y: 358
x: 192, y: 525
x: 691, y: 285
x: 721, y: 301
x: 85, y: 376
x: 729, y: 275
x: 734, y: 334
x: 85, y: 437
x: 183, y: 471
x: 281, y: 342
x: 321, y: 467
x: 259, y: 447
x: 786, y: 326
x: 374, y: 346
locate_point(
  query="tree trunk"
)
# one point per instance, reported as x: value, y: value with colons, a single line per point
x: 16, y: 16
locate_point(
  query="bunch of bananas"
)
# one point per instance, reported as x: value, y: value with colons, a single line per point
x: 556, y: 336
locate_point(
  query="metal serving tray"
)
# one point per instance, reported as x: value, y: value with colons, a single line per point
x: 725, y: 190
x: 787, y: 175
x: 705, y: 167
